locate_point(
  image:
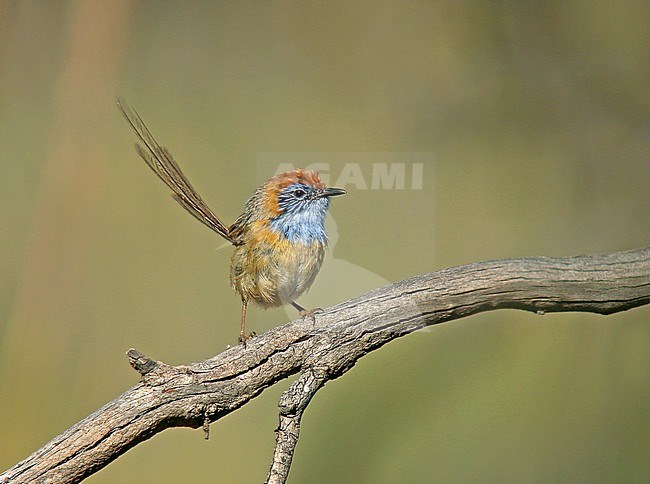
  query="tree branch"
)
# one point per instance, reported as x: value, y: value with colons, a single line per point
x: 200, y: 393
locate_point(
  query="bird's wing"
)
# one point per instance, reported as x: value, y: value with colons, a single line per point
x: 162, y: 164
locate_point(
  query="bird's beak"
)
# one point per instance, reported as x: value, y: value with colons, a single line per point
x: 331, y: 192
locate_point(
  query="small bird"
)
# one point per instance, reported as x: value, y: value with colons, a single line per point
x: 280, y: 238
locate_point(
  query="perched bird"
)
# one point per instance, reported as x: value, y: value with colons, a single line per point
x: 280, y: 238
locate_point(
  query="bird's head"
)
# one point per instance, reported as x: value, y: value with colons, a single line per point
x: 296, y: 203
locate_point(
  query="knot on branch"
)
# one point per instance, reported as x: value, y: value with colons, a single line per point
x: 140, y: 363
x: 156, y: 373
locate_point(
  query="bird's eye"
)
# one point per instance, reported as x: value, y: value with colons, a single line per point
x: 299, y: 193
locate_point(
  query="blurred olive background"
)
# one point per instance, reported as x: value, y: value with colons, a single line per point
x: 535, y: 116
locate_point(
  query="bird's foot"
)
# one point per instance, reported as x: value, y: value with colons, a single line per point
x: 311, y: 314
x: 243, y: 338
x: 304, y: 314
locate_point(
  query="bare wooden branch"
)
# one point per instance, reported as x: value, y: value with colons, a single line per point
x: 200, y: 393
x: 293, y: 403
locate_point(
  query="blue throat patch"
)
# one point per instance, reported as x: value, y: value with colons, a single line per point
x: 304, y: 223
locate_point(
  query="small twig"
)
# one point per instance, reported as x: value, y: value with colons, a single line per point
x: 206, y: 426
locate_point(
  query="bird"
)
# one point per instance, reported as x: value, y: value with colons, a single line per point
x: 279, y: 239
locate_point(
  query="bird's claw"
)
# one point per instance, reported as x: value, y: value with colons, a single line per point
x: 243, y: 338
x: 311, y: 314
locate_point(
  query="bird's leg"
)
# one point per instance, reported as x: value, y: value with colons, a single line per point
x: 242, y: 334
x: 311, y: 314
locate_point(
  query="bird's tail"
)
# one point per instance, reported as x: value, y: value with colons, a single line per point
x: 162, y: 164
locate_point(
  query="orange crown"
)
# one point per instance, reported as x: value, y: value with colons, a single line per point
x: 276, y: 184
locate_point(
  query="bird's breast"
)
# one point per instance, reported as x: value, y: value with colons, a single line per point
x: 273, y: 270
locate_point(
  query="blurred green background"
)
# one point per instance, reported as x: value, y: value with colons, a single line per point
x: 535, y: 117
